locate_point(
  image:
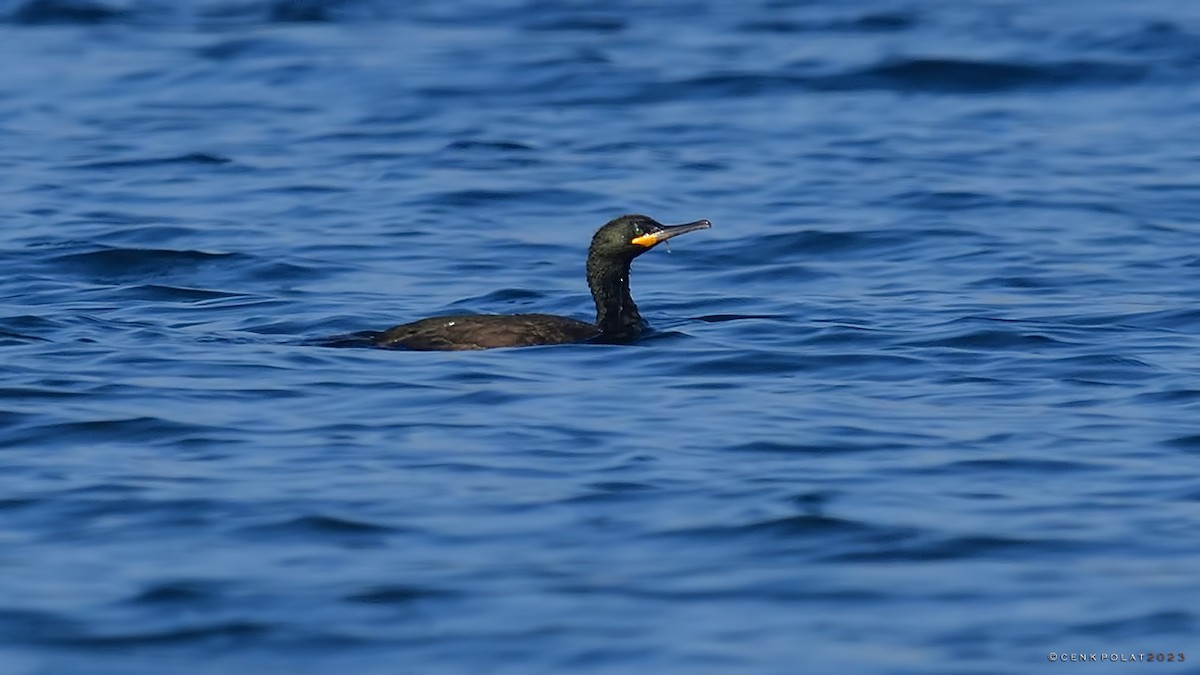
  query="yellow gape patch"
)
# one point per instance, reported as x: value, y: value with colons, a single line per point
x: 646, y: 240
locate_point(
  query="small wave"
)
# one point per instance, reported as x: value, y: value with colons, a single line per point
x: 822, y: 243
x: 123, y: 263
x: 38, y: 12
x: 304, y: 11
x: 545, y: 196
x: 497, y: 146
x: 1021, y: 465
x: 29, y: 323
x: 16, y: 503
x: 993, y: 340
x: 1175, y: 319
x: 147, y: 429
x: 396, y: 595
x: 236, y: 48
x: 225, y: 632
x: 503, y: 296
x: 1182, y: 396
x: 1191, y: 443
x: 320, y: 526
x: 1148, y: 625
x: 745, y: 361
x: 580, y: 24
x: 199, y: 158
x: 959, y: 200
x: 360, y: 340
x: 992, y: 547
x: 612, y: 492
x: 1104, y: 369
x: 163, y: 293
x: 132, y: 228
x: 722, y: 318
x: 8, y: 338
x: 127, y: 264
x: 1161, y: 39
x: 835, y: 448
x: 810, y: 523
x: 967, y: 76
x: 912, y: 75
x: 882, y: 22
x: 811, y: 531
x: 34, y: 626
x: 66, y: 11
x: 177, y: 593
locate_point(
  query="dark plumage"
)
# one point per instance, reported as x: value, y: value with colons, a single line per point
x: 614, y: 246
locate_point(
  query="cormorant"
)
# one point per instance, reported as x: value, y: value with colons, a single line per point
x: 614, y: 246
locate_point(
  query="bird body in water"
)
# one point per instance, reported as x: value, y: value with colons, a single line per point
x: 613, y: 248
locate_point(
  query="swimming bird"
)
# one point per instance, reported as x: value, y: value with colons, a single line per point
x: 613, y: 248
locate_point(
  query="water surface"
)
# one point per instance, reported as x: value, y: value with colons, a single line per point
x: 924, y: 400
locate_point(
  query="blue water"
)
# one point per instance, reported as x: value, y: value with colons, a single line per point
x: 926, y: 399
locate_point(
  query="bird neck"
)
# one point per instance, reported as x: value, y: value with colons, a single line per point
x: 616, y: 315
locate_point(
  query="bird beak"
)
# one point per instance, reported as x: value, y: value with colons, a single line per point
x: 657, y: 236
